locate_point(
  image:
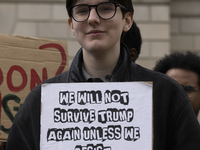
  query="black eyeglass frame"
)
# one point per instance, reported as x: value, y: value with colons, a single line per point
x: 90, y: 6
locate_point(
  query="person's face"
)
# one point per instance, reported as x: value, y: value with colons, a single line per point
x: 98, y: 35
x: 187, y: 77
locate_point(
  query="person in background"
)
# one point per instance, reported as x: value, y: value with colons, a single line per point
x: 185, y: 69
x: 133, y: 41
x: 98, y: 26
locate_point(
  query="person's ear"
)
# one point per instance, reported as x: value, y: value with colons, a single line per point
x: 134, y: 54
x: 71, y: 25
x: 128, y: 17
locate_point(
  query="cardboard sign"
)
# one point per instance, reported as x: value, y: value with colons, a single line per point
x: 24, y: 63
x: 97, y: 116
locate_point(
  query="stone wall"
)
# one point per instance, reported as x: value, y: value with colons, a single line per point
x: 48, y: 19
x: 153, y: 19
x: 185, y: 25
x: 165, y: 25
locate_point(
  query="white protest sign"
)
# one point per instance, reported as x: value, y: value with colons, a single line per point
x: 96, y: 116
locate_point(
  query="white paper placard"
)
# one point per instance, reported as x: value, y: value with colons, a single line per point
x: 96, y: 116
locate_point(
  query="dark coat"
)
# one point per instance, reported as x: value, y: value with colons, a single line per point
x: 175, y: 124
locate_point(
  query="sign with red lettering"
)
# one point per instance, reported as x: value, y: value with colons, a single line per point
x: 24, y: 63
x: 97, y: 116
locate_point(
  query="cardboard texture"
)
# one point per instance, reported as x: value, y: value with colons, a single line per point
x: 24, y: 63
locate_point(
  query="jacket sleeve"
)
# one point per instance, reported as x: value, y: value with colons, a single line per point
x: 25, y: 131
x: 175, y: 124
x: 18, y: 138
x: 186, y: 131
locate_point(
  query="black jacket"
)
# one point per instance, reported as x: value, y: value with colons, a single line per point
x: 175, y: 124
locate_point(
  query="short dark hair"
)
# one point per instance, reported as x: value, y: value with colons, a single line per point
x: 188, y: 61
x: 133, y: 38
x: 126, y: 3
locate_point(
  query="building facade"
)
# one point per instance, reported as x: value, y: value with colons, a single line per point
x: 165, y: 25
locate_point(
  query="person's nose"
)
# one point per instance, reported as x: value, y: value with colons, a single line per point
x: 94, y: 17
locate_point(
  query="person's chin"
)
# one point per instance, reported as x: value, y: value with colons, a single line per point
x: 95, y: 48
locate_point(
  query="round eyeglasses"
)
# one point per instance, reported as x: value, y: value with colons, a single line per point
x: 105, y: 10
x: 190, y: 90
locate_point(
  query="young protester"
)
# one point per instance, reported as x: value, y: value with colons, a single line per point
x: 133, y: 41
x: 185, y: 69
x: 98, y: 26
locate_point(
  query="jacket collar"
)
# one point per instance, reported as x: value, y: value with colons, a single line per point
x: 121, y: 72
